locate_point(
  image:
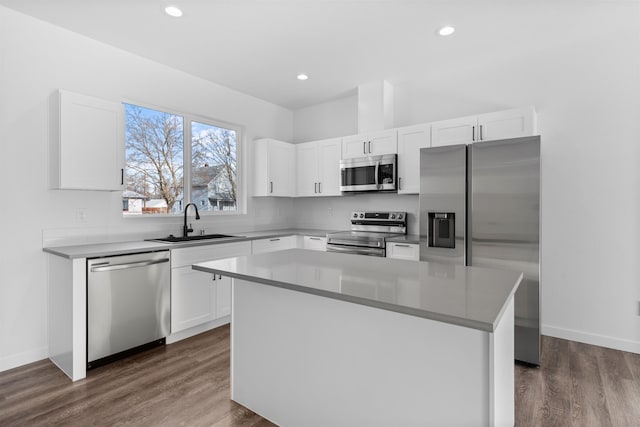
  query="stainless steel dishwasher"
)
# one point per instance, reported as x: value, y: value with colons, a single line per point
x: 128, y: 304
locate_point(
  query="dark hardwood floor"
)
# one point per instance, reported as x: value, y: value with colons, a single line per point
x: 187, y: 383
x: 579, y: 385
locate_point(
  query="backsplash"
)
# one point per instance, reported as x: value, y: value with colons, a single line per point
x: 333, y: 213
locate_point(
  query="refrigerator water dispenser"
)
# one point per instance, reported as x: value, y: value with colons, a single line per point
x: 442, y: 229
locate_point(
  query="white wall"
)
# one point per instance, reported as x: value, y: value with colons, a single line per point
x: 331, y: 119
x: 587, y: 95
x: 36, y: 59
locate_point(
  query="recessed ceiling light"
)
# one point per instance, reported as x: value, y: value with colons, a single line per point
x: 173, y: 11
x: 302, y: 77
x: 447, y: 30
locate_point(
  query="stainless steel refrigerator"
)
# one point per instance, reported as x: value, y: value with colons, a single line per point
x: 480, y: 206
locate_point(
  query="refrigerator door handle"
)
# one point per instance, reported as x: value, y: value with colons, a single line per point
x: 377, y: 173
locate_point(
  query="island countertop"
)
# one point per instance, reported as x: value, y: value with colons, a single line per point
x: 473, y: 297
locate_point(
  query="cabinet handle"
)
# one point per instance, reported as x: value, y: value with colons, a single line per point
x: 271, y: 190
x: 319, y: 187
x: 314, y: 238
x: 214, y: 277
x: 315, y: 187
x: 369, y: 147
x: 398, y: 245
x: 481, y: 138
x: 473, y: 133
x: 364, y: 147
x: 121, y: 176
x: 274, y: 240
x: 399, y: 183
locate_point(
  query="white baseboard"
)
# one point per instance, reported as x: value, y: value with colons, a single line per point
x: 178, y: 336
x: 593, y: 339
x: 14, y: 360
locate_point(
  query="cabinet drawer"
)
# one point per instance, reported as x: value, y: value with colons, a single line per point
x: 187, y: 256
x: 274, y: 244
x: 408, y: 251
x: 314, y: 243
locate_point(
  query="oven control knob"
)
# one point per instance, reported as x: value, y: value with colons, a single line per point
x: 393, y: 216
x: 399, y: 216
x: 361, y: 215
x: 355, y: 215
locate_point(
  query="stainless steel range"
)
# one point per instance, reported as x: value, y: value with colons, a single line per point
x: 369, y: 233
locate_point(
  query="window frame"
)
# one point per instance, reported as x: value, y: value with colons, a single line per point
x: 188, y: 119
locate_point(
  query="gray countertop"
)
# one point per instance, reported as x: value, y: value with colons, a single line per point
x: 472, y: 297
x: 119, y: 248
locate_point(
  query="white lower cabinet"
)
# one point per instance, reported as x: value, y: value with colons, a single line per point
x: 193, y: 298
x: 314, y: 243
x: 408, y: 251
x: 274, y: 244
x: 198, y: 297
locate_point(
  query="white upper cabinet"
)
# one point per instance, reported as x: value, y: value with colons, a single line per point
x: 370, y: 144
x: 410, y: 140
x: 87, y: 143
x: 275, y: 168
x: 507, y: 124
x: 319, y: 168
x: 512, y: 123
x: 453, y: 131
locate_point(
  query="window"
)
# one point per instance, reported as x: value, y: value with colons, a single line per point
x: 160, y: 181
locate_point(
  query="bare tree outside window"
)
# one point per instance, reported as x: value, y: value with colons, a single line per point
x: 214, y: 172
x: 154, y: 160
x: 156, y: 143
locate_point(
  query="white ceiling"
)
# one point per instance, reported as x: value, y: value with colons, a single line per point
x: 259, y: 46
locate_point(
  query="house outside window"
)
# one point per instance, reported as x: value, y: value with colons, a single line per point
x: 160, y: 181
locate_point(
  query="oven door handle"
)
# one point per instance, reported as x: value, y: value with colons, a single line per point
x: 356, y: 250
x: 376, y: 173
x: 346, y: 242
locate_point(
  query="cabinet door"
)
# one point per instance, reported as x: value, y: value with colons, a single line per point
x: 314, y: 243
x: 260, y: 152
x: 513, y: 123
x: 307, y: 165
x: 410, y: 140
x: 329, y: 154
x: 407, y: 251
x: 281, y: 164
x: 88, y: 144
x: 454, y: 131
x: 354, y: 146
x: 223, y: 296
x: 192, y: 298
x: 383, y: 142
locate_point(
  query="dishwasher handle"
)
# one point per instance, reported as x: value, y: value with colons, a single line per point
x: 136, y: 264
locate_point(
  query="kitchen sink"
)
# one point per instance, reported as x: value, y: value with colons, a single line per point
x: 177, y: 239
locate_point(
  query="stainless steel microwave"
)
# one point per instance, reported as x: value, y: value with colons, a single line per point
x: 372, y: 173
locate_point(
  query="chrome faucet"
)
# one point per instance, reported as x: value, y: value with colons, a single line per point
x: 186, y: 230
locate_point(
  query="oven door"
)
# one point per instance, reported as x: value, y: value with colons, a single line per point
x: 358, y: 250
x: 373, y: 173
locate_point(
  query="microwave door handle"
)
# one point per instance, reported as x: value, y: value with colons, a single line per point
x: 376, y: 173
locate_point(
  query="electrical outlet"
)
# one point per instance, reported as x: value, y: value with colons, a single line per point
x: 81, y: 215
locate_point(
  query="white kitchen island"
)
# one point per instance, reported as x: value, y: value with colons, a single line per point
x: 325, y: 339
